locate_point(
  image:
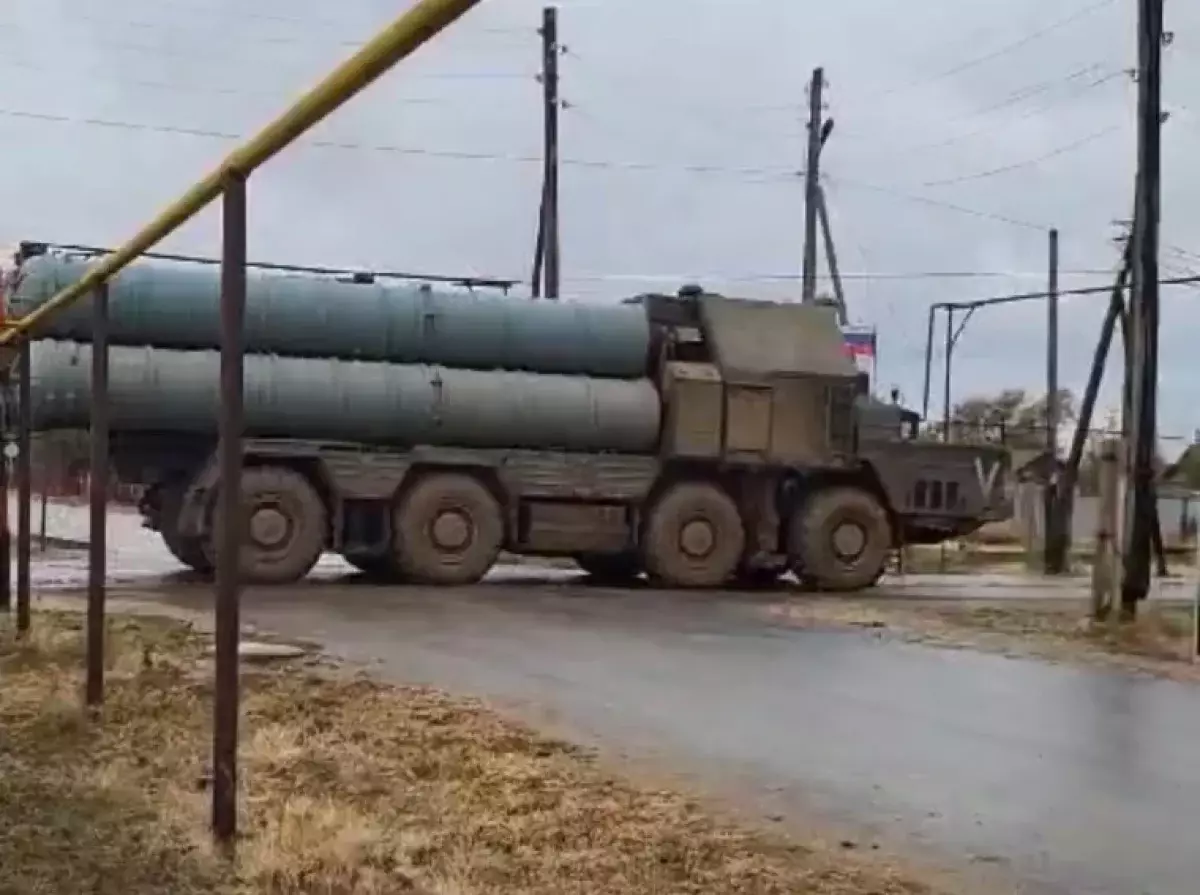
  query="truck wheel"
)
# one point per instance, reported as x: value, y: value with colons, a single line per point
x: 841, y: 538
x: 610, y: 568
x: 693, y: 537
x: 189, y: 551
x: 286, y: 525
x: 449, y: 530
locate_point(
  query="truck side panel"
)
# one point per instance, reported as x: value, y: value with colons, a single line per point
x: 575, y: 503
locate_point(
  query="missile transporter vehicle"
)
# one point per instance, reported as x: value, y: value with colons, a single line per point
x: 702, y: 440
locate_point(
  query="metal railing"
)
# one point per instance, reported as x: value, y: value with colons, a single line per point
x: 423, y: 21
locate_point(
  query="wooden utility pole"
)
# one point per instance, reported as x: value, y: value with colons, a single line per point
x: 1144, y: 315
x: 546, y: 263
x: 1051, y: 521
x: 812, y: 186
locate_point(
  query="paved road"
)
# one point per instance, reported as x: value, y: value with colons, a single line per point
x: 1076, y: 781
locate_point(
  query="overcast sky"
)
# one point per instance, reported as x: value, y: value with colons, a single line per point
x: 963, y: 131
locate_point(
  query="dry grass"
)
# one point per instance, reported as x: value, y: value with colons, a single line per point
x: 348, y: 787
x: 1158, y: 642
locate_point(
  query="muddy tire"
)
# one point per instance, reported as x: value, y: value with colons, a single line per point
x: 189, y: 551
x: 449, y: 529
x: 286, y: 524
x: 840, y: 538
x: 693, y: 537
x: 610, y: 568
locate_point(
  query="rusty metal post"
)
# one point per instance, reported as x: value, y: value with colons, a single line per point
x: 98, y: 501
x: 43, y: 512
x: 24, y: 495
x: 5, y: 521
x: 946, y: 408
x: 229, y: 525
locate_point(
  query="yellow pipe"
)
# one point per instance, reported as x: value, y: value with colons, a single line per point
x: 423, y: 21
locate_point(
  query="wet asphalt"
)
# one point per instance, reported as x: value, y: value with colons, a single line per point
x: 1065, y: 780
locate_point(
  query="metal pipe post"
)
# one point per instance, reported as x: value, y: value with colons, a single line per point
x: 946, y: 378
x: 928, y: 363
x: 24, y: 487
x: 98, y: 501
x: 230, y: 522
x: 5, y: 521
x: 43, y: 514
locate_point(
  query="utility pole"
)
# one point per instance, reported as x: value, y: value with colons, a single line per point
x: 1050, y: 505
x: 1144, y: 315
x: 546, y: 261
x: 831, y: 259
x: 812, y: 186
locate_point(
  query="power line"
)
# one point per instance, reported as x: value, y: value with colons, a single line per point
x: 1041, y: 87
x: 240, y: 15
x: 860, y: 276
x: 749, y: 174
x: 711, y: 114
x: 227, y: 34
x: 998, y: 52
x: 208, y: 52
x: 181, y: 87
x: 1028, y: 113
x: 935, y: 203
x: 1026, y: 163
x: 1010, y: 99
x: 1034, y: 296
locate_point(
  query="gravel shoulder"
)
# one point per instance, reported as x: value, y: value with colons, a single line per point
x: 348, y: 785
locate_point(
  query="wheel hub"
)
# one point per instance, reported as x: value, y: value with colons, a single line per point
x: 697, y: 538
x: 849, y: 541
x: 451, y: 531
x: 269, y: 527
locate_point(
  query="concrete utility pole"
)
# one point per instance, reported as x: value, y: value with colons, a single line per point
x: 1144, y: 313
x: 831, y: 258
x: 812, y: 186
x: 546, y: 263
x: 1050, y: 505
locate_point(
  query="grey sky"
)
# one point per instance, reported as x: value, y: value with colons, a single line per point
x: 652, y: 87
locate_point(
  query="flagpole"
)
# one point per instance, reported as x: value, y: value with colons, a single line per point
x: 874, y: 361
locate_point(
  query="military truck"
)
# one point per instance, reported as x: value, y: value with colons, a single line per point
x: 760, y: 467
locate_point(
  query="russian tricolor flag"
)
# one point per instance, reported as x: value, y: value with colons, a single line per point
x: 860, y: 342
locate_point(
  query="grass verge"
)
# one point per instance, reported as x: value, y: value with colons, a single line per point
x: 348, y: 786
x: 1158, y: 642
